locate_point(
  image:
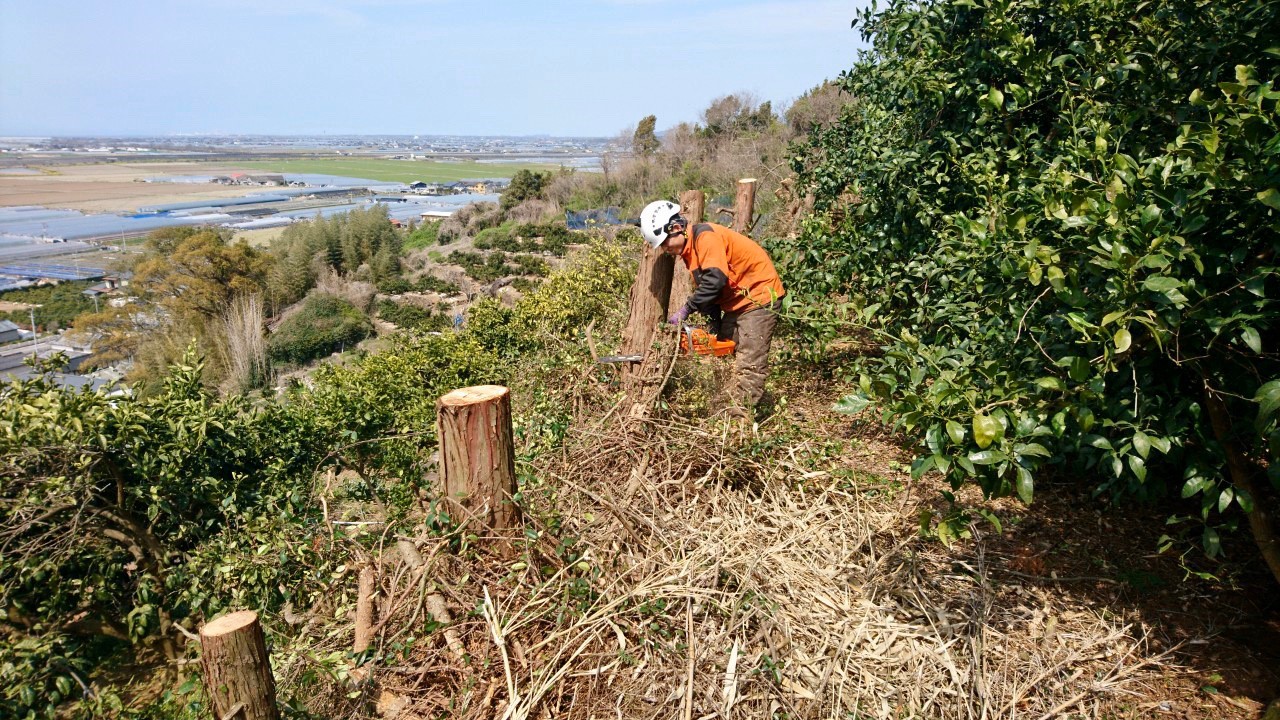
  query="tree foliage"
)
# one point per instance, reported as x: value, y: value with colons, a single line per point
x: 1061, y: 219
x: 184, y: 286
x: 323, y: 325
x: 645, y: 140
x: 362, y: 244
x: 124, y: 514
x: 525, y: 185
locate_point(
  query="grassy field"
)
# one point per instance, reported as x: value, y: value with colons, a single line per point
x: 396, y: 170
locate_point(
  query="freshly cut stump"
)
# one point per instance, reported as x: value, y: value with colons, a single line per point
x: 477, y: 457
x: 744, y: 205
x: 237, y: 672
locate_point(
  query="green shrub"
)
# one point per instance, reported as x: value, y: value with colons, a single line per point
x: 482, y: 268
x: 431, y: 283
x: 324, y: 325
x: 425, y: 235
x: 1061, y: 220
x: 124, y: 513
x: 394, y: 285
x: 411, y: 317
x: 530, y: 265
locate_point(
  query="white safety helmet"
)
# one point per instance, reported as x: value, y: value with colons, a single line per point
x: 654, y: 220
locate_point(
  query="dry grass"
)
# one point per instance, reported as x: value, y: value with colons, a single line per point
x: 243, y: 344
x: 699, y: 570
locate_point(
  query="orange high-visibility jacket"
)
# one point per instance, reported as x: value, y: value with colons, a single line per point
x: 730, y: 271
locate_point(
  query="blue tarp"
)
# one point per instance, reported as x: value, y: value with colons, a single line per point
x: 587, y: 218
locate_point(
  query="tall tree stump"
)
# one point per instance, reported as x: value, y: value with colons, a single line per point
x: 237, y: 671
x: 693, y: 204
x: 649, y: 296
x: 744, y: 205
x: 477, y: 456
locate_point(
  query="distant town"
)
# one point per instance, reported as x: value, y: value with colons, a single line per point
x: 438, y: 147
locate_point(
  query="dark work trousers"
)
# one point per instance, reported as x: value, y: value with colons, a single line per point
x: 752, y: 330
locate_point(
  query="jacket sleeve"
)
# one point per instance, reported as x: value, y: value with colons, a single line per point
x: 713, y: 276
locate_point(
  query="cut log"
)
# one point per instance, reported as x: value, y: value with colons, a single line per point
x: 236, y: 669
x: 693, y: 204
x: 364, y: 610
x: 744, y: 205
x: 477, y: 456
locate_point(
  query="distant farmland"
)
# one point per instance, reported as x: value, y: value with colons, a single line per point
x: 396, y: 170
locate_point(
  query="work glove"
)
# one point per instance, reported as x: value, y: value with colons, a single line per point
x: 678, y: 317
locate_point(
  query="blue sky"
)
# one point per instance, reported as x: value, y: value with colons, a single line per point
x: 559, y: 67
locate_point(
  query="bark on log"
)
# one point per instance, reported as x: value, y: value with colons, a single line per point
x: 649, y: 296
x: 744, y: 205
x: 364, y: 610
x: 477, y: 457
x: 237, y: 671
x: 693, y: 204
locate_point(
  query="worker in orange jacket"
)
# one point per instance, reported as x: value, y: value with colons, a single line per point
x: 735, y: 285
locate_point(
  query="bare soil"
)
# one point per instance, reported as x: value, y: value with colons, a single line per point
x: 115, y: 187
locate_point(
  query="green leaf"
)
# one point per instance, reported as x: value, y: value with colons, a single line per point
x: 1251, y: 338
x: 1193, y: 485
x: 1161, y: 283
x: 1035, y: 449
x: 1078, y: 369
x: 1270, y: 197
x: 1138, y: 468
x: 1034, y: 274
x: 1122, y: 339
x: 920, y: 466
x: 1097, y: 441
x: 1025, y: 485
x: 955, y: 431
x: 987, y: 457
x: 1056, y: 277
x: 986, y: 430
x: 1212, y: 543
x: 1224, y: 499
x: 926, y: 519
x: 991, y: 518
x: 995, y: 97
x: 1051, y: 383
x: 1141, y: 443
x: 852, y: 404
x: 1268, y: 399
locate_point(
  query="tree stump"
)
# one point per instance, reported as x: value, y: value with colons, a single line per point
x: 477, y: 456
x: 744, y: 205
x: 693, y: 204
x: 237, y: 671
x: 649, y: 296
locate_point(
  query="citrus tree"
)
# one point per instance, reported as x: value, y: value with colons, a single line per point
x: 1060, y: 219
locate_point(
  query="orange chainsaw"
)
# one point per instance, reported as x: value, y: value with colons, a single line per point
x: 704, y: 343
